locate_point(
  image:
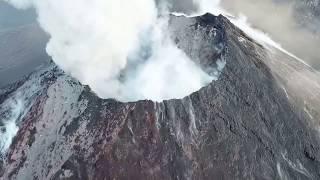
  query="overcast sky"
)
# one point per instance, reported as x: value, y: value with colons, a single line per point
x: 11, y: 17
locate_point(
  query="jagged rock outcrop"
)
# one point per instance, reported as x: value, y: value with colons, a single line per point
x: 241, y: 126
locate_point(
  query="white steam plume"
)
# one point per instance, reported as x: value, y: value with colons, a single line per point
x: 212, y: 6
x: 97, y: 41
x: 10, y: 128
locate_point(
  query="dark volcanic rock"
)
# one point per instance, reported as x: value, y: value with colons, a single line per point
x: 241, y: 126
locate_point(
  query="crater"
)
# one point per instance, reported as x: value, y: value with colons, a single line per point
x: 191, y: 57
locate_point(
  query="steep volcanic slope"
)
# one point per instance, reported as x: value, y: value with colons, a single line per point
x: 300, y: 82
x: 241, y: 126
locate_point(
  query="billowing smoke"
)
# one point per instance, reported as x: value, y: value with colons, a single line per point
x: 120, y: 48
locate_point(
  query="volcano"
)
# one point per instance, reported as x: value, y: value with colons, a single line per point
x: 248, y: 124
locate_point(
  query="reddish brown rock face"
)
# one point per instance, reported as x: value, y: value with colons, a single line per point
x: 241, y: 126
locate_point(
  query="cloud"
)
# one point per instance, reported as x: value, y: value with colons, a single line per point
x: 21, y: 4
x: 181, y: 6
x: 100, y: 42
